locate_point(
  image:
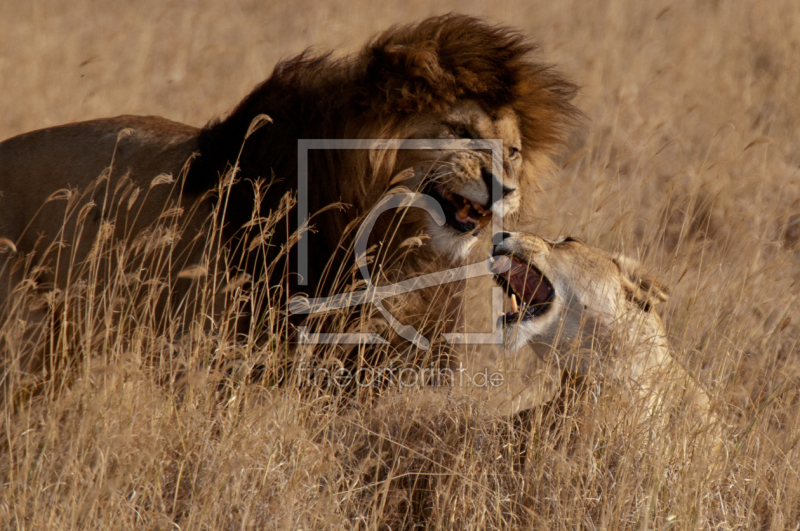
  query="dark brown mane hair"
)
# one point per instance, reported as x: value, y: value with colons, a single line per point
x: 405, y: 71
x: 429, y: 66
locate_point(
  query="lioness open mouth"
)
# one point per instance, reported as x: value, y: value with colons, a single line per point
x: 461, y: 213
x: 525, y: 282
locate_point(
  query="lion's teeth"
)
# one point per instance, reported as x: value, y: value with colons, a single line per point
x: 514, y: 305
x: 444, y: 192
x: 461, y: 215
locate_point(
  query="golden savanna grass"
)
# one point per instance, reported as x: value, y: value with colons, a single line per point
x: 688, y: 160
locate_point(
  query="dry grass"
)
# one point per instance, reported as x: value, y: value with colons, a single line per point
x: 689, y: 160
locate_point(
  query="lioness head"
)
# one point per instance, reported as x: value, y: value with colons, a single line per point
x: 567, y: 290
x: 570, y: 299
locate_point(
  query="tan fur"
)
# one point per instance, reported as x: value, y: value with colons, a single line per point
x: 601, y: 322
x: 49, y: 175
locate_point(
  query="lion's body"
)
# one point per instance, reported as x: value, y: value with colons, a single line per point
x: 446, y: 78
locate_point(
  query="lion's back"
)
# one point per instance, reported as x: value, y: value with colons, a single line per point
x: 35, y: 165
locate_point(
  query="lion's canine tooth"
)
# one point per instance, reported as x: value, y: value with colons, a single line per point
x: 479, y: 208
x: 461, y: 215
x: 514, y: 305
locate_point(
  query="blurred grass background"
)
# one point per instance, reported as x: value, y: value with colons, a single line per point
x: 689, y: 160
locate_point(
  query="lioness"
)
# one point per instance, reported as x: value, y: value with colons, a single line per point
x: 446, y: 78
x: 586, y: 310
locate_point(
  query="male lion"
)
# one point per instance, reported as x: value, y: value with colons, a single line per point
x: 448, y: 77
x: 587, y: 311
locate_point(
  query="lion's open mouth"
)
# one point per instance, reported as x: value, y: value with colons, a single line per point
x: 528, y: 284
x: 461, y: 213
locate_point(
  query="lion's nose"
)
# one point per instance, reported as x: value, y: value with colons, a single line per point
x: 495, y: 185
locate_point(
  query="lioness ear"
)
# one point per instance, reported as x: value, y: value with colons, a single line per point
x: 640, y: 286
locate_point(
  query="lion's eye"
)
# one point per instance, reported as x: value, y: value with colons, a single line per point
x: 513, y: 153
x: 461, y: 131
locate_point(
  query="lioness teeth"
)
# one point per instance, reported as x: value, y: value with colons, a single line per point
x: 514, y: 305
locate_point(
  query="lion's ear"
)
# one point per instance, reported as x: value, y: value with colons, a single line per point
x: 641, y: 287
x: 408, y: 77
x: 420, y: 63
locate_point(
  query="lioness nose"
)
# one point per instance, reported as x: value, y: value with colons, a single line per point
x: 497, y: 239
x: 495, y: 184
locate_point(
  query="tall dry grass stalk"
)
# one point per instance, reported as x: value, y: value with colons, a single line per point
x: 689, y: 161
